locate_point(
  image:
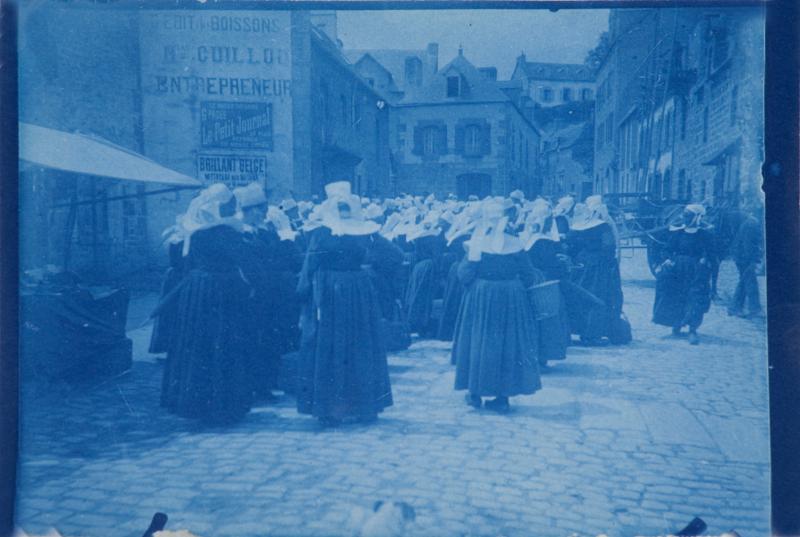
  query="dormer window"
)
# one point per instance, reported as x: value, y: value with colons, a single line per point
x: 413, y: 71
x: 453, y: 86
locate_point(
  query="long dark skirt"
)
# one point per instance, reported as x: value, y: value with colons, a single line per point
x: 274, y: 320
x: 164, y: 324
x: 206, y: 376
x: 601, y: 278
x: 683, y: 293
x: 554, y: 335
x: 343, y: 370
x: 420, y: 295
x: 496, y: 341
x: 453, y: 292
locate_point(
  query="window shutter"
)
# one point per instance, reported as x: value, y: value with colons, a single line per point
x: 418, y: 133
x: 486, y: 145
x: 442, y: 140
x: 459, y: 148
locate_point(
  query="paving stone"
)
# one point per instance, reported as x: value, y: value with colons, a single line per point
x: 618, y: 440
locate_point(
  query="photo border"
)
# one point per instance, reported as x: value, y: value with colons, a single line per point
x: 781, y: 173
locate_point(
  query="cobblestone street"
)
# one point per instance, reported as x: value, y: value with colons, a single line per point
x: 626, y: 441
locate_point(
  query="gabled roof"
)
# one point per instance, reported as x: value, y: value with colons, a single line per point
x: 321, y: 39
x: 368, y: 57
x: 393, y: 60
x: 566, y: 72
x: 435, y: 91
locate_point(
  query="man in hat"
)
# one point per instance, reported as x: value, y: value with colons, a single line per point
x: 273, y: 309
x: 747, y: 250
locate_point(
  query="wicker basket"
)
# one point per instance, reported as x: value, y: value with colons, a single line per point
x: 546, y: 299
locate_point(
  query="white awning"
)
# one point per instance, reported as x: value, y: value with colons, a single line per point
x: 90, y: 155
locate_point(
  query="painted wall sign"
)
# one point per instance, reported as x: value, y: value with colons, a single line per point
x: 235, y: 125
x: 233, y: 170
x: 217, y: 82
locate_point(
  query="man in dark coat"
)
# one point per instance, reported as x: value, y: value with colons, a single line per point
x: 272, y: 310
x: 747, y: 251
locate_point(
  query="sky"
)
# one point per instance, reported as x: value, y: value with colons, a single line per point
x: 489, y: 37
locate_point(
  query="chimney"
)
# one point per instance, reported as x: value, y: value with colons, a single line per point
x: 433, y: 57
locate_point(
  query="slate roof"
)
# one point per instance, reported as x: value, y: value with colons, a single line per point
x: 562, y: 72
x: 480, y: 90
x: 393, y: 60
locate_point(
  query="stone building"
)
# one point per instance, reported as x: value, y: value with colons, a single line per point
x: 679, y: 105
x: 460, y: 133
x: 222, y: 95
x: 394, y: 72
x: 552, y: 84
x: 565, y: 162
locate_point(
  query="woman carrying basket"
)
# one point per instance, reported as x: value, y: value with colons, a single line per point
x: 543, y: 247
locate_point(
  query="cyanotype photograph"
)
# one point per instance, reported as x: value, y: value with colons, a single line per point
x: 377, y: 271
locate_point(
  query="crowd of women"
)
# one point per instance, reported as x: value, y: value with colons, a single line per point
x: 339, y: 283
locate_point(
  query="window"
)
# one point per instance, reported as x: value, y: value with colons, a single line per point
x: 429, y: 136
x: 371, y: 82
x: 472, y: 140
x: 547, y: 95
x: 666, y: 192
x: 413, y: 70
x: 453, y: 86
x: 682, y: 185
x: 610, y: 129
x: 705, y: 124
x: 601, y: 129
x: 586, y: 94
x: 683, y: 119
x: 566, y: 94
x: 689, y: 190
x: 609, y: 91
x: 668, y: 129
x: 734, y: 104
x: 345, y: 108
x: 355, y: 113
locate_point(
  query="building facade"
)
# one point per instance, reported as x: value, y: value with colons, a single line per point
x: 553, y: 84
x: 461, y: 134
x: 679, y: 105
x: 566, y: 161
x: 229, y: 96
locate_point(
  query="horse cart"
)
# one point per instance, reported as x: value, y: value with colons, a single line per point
x: 643, y: 223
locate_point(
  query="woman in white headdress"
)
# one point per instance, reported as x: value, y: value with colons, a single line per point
x: 426, y: 238
x: 496, y: 347
x: 206, y: 376
x: 593, y: 246
x: 342, y: 371
x: 562, y: 213
x: 456, y: 236
x: 542, y: 242
x: 164, y: 323
x: 683, y: 281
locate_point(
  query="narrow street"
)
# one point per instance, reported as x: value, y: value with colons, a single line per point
x: 632, y: 440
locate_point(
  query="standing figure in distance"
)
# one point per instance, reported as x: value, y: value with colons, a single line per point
x: 683, y: 280
x: 748, y: 253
